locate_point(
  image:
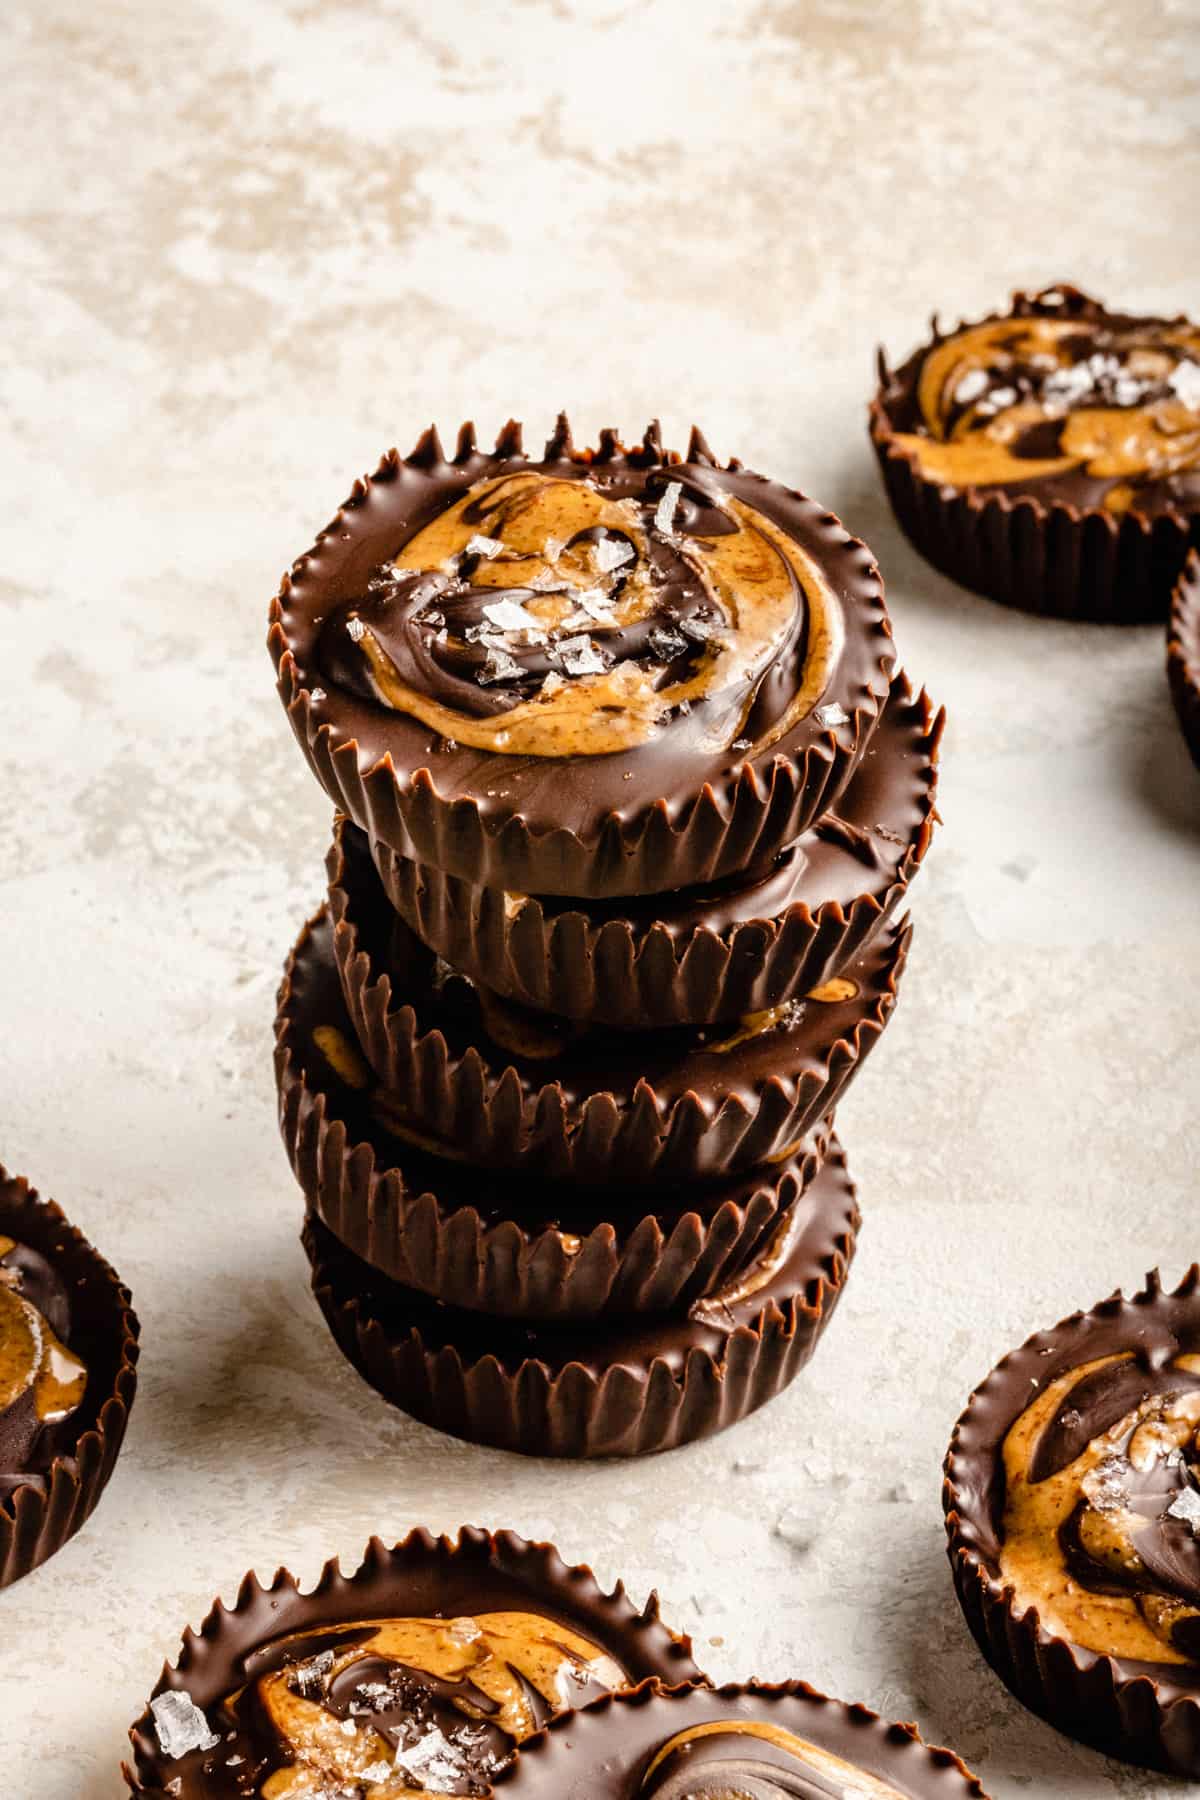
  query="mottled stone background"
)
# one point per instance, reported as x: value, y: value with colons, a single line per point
x: 248, y: 245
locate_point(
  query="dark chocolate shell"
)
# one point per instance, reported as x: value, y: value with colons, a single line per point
x: 38, y: 1516
x: 703, y: 955
x: 630, y: 1388
x: 572, y: 825
x: 1183, y: 654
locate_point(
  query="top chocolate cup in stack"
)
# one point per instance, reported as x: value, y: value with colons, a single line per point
x: 599, y: 674
x: 1049, y: 456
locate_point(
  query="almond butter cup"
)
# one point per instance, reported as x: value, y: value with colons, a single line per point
x: 492, y: 1241
x: 1183, y: 654
x: 605, y: 1110
x: 39, y: 1515
x: 605, y: 1749
x: 420, y: 1577
x: 667, y: 814
x: 1068, y: 560
x: 703, y: 955
x: 629, y: 1388
x: 1145, y: 1713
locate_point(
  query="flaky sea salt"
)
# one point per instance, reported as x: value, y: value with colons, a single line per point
x: 484, y: 546
x: 1186, y: 1506
x: 357, y: 629
x: 973, y: 383
x: 510, y: 615
x: 1184, y: 383
x: 612, y: 553
x: 596, y: 604
x: 307, y: 1678
x: 664, y: 515
x: 500, y: 666
x: 831, y: 715
x: 581, y: 657
x: 180, y: 1725
x: 1003, y: 396
x: 552, y: 682
x: 667, y: 644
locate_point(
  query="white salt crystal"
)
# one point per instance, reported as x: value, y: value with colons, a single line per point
x: 664, y: 517
x: 318, y: 693
x: 666, y: 644
x: 552, y: 682
x: 581, y: 657
x: 180, y: 1725
x: 612, y: 553
x: 510, y: 615
x: 833, y: 714
x: 596, y: 605
x: 1003, y: 396
x: 1184, y: 382
x: 1186, y: 1505
x: 973, y: 383
x: 500, y: 666
x: 357, y: 629
x: 484, y: 546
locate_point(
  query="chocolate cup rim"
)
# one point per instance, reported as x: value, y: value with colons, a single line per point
x: 883, y: 432
x: 209, y: 1642
x: 1183, y: 651
x: 846, y: 1051
x: 653, y: 1691
x: 46, y: 1514
x: 695, y: 939
x: 715, y: 801
x: 1160, y: 1697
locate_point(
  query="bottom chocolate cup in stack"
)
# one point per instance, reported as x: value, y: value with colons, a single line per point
x: 631, y: 1387
x: 68, y: 1374
x: 421, y: 1671
x: 782, y: 1741
x: 1183, y: 654
x: 1072, y: 1500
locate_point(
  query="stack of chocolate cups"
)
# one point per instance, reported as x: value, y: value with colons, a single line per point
x: 630, y: 791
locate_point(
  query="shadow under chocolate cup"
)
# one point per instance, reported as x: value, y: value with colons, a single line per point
x: 631, y: 1387
x: 1072, y: 1507
x: 498, y: 1581
x: 768, y: 1740
x: 490, y: 1239
x: 45, y: 1502
x: 1042, y: 543
x: 725, y: 699
x: 1183, y: 654
x: 471, y: 1078
x: 706, y: 954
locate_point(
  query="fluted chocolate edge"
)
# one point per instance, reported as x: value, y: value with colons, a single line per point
x: 1183, y: 653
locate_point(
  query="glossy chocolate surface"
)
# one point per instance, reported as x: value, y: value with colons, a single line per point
x: 419, y: 1673
x: 41, y: 1383
x: 1183, y: 654
x: 1062, y: 400
x: 745, y: 625
x: 784, y: 1742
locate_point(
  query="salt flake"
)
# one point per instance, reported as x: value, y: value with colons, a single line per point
x: 510, y: 615
x: 500, y: 666
x: 581, y: 657
x: 486, y: 547
x: 973, y: 383
x: 1184, y: 382
x: 831, y: 715
x: 1186, y: 1506
x: 612, y: 553
x: 180, y: 1725
x: 357, y: 629
x: 664, y: 517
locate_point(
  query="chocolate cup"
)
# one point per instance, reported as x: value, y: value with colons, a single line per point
x: 704, y: 955
x: 1067, y: 560
x: 608, y: 1108
x: 1183, y: 654
x: 631, y: 1388
x: 603, y: 1750
x: 1145, y: 1713
x: 421, y: 1577
x: 39, y: 1515
x: 568, y: 825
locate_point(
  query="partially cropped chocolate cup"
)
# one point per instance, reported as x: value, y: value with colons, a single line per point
x: 1072, y: 1500
x: 708, y: 954
x: 756, y: 1742
x: 596, y: 1388
x: 1183, y: 654
x: 599, y: 673
x: 421, y: 1672
x: 1049, y: 457
x: 462, y: 1073
x: 68, y: 1358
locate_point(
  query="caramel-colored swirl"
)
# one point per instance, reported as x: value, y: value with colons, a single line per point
x: 1101, y: 1518
x: 385, y: 1709
x: 1021, y: 400
x: 755, y: 1759
x: 538, y: 616
x: 31, y: 1357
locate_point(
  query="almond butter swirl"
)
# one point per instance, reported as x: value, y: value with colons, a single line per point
x: 755, y: 1759
x: 539, y: 615
x: 1035, y: 399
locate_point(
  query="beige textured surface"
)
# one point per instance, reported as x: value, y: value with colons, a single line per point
x: 248, y: 245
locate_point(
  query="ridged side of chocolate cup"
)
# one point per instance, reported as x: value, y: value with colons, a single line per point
x: 679, y: 969
x: 1183, y: 654
x: 626, y: 1390
x: 39, y: 1517
x: 499, y: 1243
x: 1148, y: 1714
x: 689, y: 1116
x: 739, y: 817
x: 1061, y: 560
x: 422, y: 1576
x: 602, y: 1750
